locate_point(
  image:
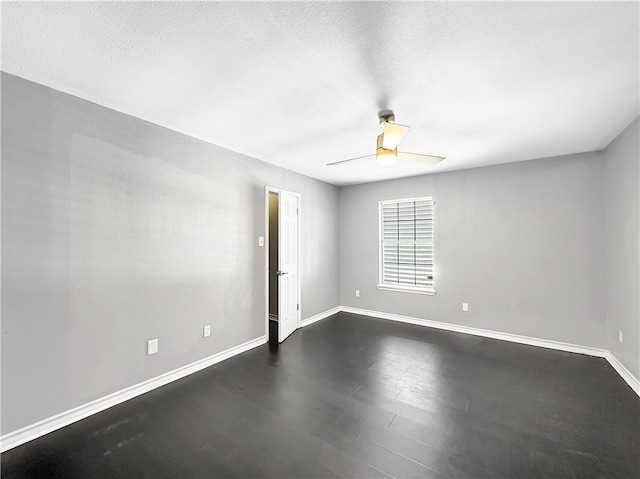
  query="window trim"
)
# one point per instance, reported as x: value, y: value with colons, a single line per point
x: 404, y: 288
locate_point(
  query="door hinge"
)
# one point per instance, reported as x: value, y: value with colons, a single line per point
x: 298, y: 306
x: 297, y: 211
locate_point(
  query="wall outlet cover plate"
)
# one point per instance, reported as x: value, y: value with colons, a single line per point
x: 152, y: 346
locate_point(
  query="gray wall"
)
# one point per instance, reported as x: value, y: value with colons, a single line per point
x: 116, y: 231
x: 522, y: 243
x: 622, y: 239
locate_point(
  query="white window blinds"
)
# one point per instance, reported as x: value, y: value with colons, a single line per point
x: 406, y: 244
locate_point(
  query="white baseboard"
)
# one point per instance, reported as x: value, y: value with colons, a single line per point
x: 514, y: 338
x: 624, y: 373
x: 629, y: 378
x: 319, y: 316
x: 26, y: 434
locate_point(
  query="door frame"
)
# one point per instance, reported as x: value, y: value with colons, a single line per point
x: 267, y: 190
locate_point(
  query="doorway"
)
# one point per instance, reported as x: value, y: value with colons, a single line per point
x: 282, y: 264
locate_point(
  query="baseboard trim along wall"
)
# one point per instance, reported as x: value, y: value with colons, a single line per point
x: 624, y: 373
x: 514, y: 338
x: 319, y: 316
x: 28, y: 433
x: 629, y: 378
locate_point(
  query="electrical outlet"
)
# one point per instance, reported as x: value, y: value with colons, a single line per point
x: 357, y: 293
x: 620, y: 336
x: 206, y: 331
x: 152, y: 346
x: 465, y: 307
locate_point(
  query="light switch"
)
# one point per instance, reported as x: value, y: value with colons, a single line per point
x: 465, y: 306
x: 260, y: 240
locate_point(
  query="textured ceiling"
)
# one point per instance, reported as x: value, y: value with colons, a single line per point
x: 299, y: 84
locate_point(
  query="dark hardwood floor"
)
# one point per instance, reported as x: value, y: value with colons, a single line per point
x: 360, y: 397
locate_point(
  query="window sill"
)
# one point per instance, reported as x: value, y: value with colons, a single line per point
x: 406, y: 289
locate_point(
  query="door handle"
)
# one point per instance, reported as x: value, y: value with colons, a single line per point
x: 281, y: 273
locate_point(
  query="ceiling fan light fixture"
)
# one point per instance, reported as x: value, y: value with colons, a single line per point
x: 386, y: 157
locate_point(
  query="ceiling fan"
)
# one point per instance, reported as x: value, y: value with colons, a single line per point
x: 387, y: 145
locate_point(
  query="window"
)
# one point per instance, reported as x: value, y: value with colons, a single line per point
x: 406, y: 245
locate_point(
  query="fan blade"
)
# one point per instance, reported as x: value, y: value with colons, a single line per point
x: 351, y: 159
x: 421, y: 159
x: 393, y: 133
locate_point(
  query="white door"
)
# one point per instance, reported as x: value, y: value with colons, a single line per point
x: 288, y: 301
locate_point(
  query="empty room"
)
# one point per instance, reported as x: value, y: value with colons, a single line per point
x: 320, y: 240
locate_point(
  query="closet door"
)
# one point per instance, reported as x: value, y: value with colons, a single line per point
x: 288, y: 280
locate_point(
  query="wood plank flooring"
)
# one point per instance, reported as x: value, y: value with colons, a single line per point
x: 359, y: 397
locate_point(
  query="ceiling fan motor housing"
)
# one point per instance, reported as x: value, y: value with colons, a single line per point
x: 379, y: 143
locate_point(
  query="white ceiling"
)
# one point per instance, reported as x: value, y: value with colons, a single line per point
x: 299, y: 84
